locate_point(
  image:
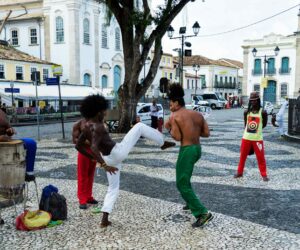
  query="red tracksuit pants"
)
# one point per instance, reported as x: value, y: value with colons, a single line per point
x: 258, y: 147
x: 85, y: 178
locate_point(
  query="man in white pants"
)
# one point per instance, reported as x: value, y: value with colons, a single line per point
x: 105, y: 151
x: 279, y: 118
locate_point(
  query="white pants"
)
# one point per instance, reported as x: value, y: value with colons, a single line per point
x: 280, y: 122
x: 119, y: 153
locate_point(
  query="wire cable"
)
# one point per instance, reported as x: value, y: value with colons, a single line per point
x: 249, y: 25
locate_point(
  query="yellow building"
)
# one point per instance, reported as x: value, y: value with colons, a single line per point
x: 16, y: 69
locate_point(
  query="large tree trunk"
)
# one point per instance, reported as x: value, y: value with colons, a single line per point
x: 127, y: 106
x: 137, y: 47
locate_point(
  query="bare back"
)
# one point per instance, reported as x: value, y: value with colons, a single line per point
x: 187, y: 126
x: 96, y: 133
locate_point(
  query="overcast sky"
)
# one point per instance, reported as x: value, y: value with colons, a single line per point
x: 221, y: 15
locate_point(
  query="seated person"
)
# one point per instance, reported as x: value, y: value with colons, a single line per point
x: 6, y: 132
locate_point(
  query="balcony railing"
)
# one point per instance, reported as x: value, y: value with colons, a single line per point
x: 257, y: 72
x: 222, y: 85
x: 284, y: 71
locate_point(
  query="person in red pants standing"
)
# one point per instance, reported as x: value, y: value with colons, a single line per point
x: 85, y: 169
x: 255, y: 119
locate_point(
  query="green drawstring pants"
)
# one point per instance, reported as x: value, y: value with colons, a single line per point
x: 188, y: 156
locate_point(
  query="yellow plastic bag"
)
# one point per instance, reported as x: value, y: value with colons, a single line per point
x: 36, y: 219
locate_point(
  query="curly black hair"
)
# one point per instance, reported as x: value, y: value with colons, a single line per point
x: 92, y: 105
x: 176, y: 93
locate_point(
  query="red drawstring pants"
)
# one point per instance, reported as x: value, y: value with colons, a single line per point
x: 258, y: 147
x: 85, y: 178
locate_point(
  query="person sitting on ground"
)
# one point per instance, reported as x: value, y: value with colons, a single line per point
x: 107, y: 152
x: 6, y: 133
x: 85, y: 169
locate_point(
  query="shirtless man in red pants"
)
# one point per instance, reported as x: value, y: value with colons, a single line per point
x: 85, y: 169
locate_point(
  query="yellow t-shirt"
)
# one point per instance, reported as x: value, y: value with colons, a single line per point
x: 253, y: 129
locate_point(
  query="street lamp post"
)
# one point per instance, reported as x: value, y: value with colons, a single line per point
x: 266, y: 61
x: 196, y: 68
x: 182, y: 30
x: 12, y: 92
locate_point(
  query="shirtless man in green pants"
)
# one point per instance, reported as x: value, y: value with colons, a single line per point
x: 187, y: 126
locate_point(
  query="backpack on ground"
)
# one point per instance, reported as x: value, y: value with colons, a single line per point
x: 54, y: 203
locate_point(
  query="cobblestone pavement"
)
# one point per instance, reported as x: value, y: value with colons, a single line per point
x: 248, y: 213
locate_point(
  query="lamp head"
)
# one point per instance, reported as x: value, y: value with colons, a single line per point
x: 196, y: 67
x: 254, y: 51
x: 170, y: 31
x: 276, y: 50
x: 187, y: 44
x: 196, y: 28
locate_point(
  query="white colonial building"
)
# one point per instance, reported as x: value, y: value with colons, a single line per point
x: 73, y: 33
x: 221, y: 76
x: 282, y: 71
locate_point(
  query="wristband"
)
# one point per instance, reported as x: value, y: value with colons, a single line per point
x: 103, y: 165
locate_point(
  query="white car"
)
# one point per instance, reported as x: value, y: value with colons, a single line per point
x: 143, y: 111
x: 198, y: 100
x: 205, y: 111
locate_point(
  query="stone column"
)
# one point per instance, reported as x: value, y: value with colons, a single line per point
x: 245, y: 72
x: 74, y: 43
x: 47, y: 40
x: 297, y: 66
x: 96, y: 42
x: 211, y: 78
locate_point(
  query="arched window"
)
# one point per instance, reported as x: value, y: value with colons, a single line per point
x: 283, y: 90
x: 104, y: 41
x: 117, y: 39
x: 117, y: 77
x: 59, y: 25
x: 104, y: 81
x: 285, y: 67
x: 86, y: 31
x: 271, y: 66
x: 257, y: 67
x: 87, y: 79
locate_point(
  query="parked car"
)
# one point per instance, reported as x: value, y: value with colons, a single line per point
x: 143, y: 111
x: 198, y: 100
x: 204, y: 110
x: 214, y: 99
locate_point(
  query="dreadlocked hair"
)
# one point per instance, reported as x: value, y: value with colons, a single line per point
x: 92, y: 105
x: 176, y: 93
x: 250, y: 106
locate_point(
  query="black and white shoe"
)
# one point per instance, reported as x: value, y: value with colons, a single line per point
x: 202, y: 220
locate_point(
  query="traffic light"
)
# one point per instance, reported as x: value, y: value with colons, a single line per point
x: 36, y: 76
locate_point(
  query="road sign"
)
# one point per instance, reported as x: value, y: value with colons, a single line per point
x: 57, y: 70
x: 264, y: 82
x: 12, y: 90
x: 52, y: 81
